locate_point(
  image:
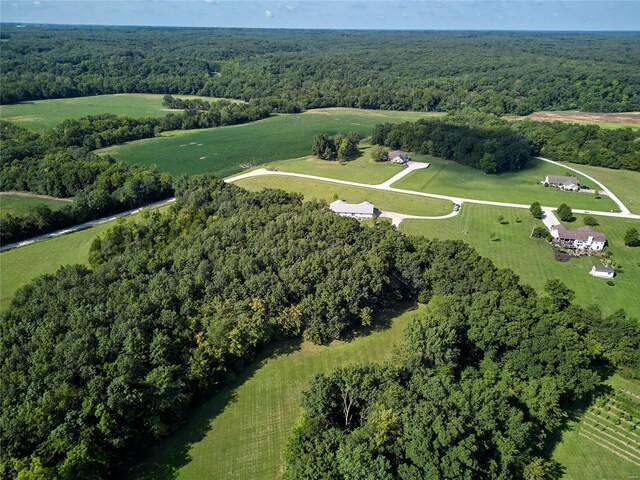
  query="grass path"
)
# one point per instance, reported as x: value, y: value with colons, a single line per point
x: 241, y: 432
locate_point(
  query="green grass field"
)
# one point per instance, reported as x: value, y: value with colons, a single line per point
x: 623, y: 183
x: 22, y: 204
x: 588, y: 457
x: 222, y: 150
x: 42, y: 114
x: 386, y: 201
x: 241, y: 432
x: 450, y: 178
x: 532, y: 258
x: 21, y: 265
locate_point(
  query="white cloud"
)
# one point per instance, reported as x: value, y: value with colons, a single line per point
x: 37, y: 3
x: 215, y: 2
x: 268, y: 13
x: 289, y: 7
x: 555, y: 14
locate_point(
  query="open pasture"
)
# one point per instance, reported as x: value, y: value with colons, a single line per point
x: 327, y: 191
x: 241, y: 432
x: 450, y: 178
x: 42, y: 114
x: 20, y: 204
x: 223, y: 150
x: 604, y: 120
x: 532, y: 258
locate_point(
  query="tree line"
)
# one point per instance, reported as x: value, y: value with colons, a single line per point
x: 95, y: 363
x: 495, y: 145
x: 493, y: 72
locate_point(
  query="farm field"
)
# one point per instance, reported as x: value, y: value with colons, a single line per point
x: 585, y: 449
x: 42, y: 114
x: 532, y: 258
x: 450, y: 178
x: 222, y: 150
x: 386, y: 201
x: 19, y: 204
x: 623, y: 183
x: 604, y: 120
x: 241, y: 432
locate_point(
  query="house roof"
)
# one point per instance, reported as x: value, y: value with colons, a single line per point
x: 603, y: 269
x: 583, y: 233
x: 397, y: 153
x: 340, y: 206
x: 561, y: 180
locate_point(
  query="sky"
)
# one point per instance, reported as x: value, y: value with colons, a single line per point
x: 334, y: 14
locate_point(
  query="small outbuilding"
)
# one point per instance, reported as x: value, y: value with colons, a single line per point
x: 602, y: 272
x: 352, y: 210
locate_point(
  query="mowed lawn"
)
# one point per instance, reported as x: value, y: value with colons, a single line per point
x: 18, y: 204
x: 450, y: 178
x: 319, y: 190
x: 242, y: 431
x: 42, y: 114
x: 583, y: 459
x: 223, y: 150
x: 623, y: 183
x: 532, y: 258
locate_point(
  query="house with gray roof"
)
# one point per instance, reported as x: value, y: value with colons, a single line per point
x: 585, y: 238
x: 566, y: 183
x: 398, y: 156
x: 352, y: 210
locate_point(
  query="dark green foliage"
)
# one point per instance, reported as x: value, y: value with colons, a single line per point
x: 539, y: 232
x: 324, y: 147
x: 343, y: 146
x: 565, y: 213
x: 94, y: 363
x: 631, y: 237
x: 536, y: 210
x: 495, y: 72
x: 480, y: 141
x: 477, y: 386
x: 590, y: 220
x: 585, y: 144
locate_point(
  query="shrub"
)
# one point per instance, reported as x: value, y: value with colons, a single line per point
x: 610, y: 283
x: 539, y: 232
x: 590, y: 220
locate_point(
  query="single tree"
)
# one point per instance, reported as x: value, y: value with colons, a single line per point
x: 536, y: 210
x: 631, y: 237
x: 590, y: 220
x: 564, y: 212
x: 378, y: 154
x: 501, y: 219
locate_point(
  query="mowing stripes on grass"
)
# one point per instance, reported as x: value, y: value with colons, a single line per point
x: 241, y: 432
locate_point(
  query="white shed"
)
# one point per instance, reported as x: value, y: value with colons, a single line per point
x: 602, y: 272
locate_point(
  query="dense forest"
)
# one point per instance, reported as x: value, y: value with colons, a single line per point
x: 497, y: 72
x: 495, y: 145
x: 95, y: 362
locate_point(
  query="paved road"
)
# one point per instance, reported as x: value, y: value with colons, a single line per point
x: 82, y: 226
x: 386, y: 186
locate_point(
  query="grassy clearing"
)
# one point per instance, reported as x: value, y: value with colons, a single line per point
x: 222, y: 150
x: 241, y: 432
x: 585, y: 449
x: 532, y: 258
x: 451, y: 178
x: 21, y: 265
x: 43, y: 114
x: 22, y: 204
x: 624, y: 183
x: 386, y: 201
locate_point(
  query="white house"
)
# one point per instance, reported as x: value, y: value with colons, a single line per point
x: 566, y: 183
x: 398, y: 156
x: 353, y: 210
x: 602, y: 272
x: 582, y: 239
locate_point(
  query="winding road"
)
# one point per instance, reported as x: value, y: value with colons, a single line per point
x: 396, y: 218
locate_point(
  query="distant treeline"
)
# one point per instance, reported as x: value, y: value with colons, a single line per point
x: 495, y: 72
x: 96, y: 363
x: 494, y: 145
